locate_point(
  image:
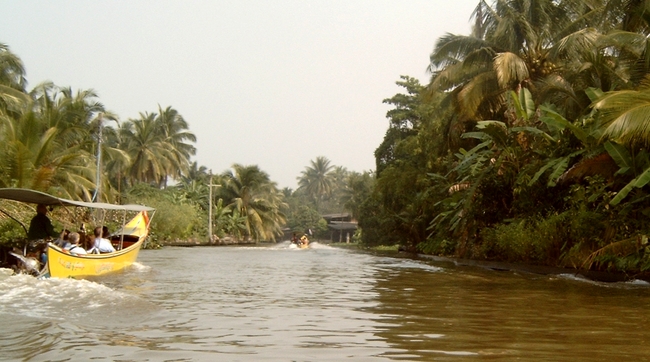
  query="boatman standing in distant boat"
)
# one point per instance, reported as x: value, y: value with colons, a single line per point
x: 304, y: 240
x: 41, y: 227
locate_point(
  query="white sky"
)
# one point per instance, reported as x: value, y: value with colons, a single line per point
x: 272, y: 83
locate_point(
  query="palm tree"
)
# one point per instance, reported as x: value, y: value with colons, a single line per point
x: 13, y: 99
x: 359, y: 188
x: 317, y: 181
x: 249, y: 192
x: 49, y: 147
x: 514, y: 43
x: 626, y: 115
x: 12, y: 70
x: 175, y: 132
x: 33, y: 156
x: 78, y: 118
x: 116, y: 161
x: 147, y: 149
x: 196, y: 172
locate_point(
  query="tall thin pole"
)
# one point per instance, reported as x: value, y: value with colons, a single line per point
x: 98, y: 181
x: 210, y: 211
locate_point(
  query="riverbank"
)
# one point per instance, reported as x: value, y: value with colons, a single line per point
x: 601, y: 276
x: 216, y: 241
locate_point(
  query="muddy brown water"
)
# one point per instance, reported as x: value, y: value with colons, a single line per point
x: 274, y: 303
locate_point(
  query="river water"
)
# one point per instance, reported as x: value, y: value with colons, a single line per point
x: 274, y: 303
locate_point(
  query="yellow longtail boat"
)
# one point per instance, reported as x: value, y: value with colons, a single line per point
x: 65, y: 264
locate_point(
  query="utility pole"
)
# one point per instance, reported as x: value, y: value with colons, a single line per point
x: 210, y: 185
x: 210, y: 211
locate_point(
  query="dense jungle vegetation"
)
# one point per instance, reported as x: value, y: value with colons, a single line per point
x: 528, y: 144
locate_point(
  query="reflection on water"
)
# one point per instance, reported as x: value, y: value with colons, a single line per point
x: 273, y: 303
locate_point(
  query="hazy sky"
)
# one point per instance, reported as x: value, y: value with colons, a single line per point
x: 272, y: 83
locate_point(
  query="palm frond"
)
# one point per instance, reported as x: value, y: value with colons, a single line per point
x: 620, y: 248
x: 626, y: 116
x: 510, y: 69
x: 453, y: 47
x: 602, y: 165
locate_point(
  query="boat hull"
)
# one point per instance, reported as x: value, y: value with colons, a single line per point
x: 64, y: 264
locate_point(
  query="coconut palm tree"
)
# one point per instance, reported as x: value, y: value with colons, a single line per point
x: 33, y: 156
x: 359, y: 187
x: 196, y: 172
x: 78, y: 118
x: 13, y: 99
x: 514, y: 43
x: 316, y: 180
x: 60, y: 108
x: 176, y: 134
x: 147, y: 149
x: 12, y: 70
x: 249, y: 192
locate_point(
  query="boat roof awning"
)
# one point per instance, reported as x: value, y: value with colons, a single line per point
x: 345, y: 217
x: 37, y: 197
x: 341, y: 225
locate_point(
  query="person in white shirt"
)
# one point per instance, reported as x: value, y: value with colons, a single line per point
x: 73, y: 246
x: 101, y: 245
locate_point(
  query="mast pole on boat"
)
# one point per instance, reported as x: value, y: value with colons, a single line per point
x: 99, y: 159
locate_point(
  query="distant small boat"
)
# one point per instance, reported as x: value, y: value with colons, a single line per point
x: 302, y: 243
x: 298, y: 246
x: 65, y: 264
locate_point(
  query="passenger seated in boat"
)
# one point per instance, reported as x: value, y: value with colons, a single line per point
x: 41, y: 227
x: 74, y: 244
x: 100, y: 244
x: 105, y: 233
x: 304, y: 240
x: 86, y: 239
x: 63, y: 240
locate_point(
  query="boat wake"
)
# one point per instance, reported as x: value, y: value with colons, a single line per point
x: 398, y: 263
x: 635, y: 283
x: 312, y: 245
x: 65, y: 299
x: 140, y: 268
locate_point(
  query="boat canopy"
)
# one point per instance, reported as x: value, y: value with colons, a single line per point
x: 37, y: 197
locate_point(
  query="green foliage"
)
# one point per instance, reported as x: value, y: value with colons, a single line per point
x: 516, y: 242
x: 437, y: 246
x: 376, y: 223
x: 528, y: 144
x: 12, y: 234
x: 554, y: 240
x: 517, y: 181
x: 173, y: 221
x: 304, y: 218
x: 231, y: 222
x: 317, y: 180
x: 357, y: 237
x: 249, y: 192
x: 173, y: 218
